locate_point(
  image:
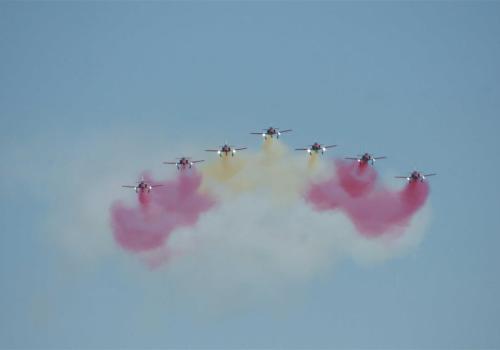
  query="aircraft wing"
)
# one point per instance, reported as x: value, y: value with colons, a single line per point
x: 241, y: 148
x: 212, y: 150
x: 257, y: 133
x: 170, y: 163
x: 197, y: 161
x: 156, y: 185
x: 286, y: 130
x: 128, y: 186
x: 401, y: 177
x: 330, y: 146
x: 351, y: 158
x: 383, y: 157
x: 433, y: 174
x: 302, y: 149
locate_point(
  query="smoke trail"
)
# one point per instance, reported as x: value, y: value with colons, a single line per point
x: 373, y: 210
x: 355, y: 178
x: 146, y: 227
x: 384, y: 211
x: 224, y: 171
x: 140, y: 229
x: 312, y: 162
x: 225, y: 168
x: 251, y: 250
x: 254, y: 245
x: 272, y: 173
x: 273, y: 170
x: 181, y: 197
x: 144, y: 199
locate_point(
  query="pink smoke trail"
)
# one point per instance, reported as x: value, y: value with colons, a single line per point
x: 175, y: 204
x: 181, y: 197
x: 355, y: 178
x: 374, y: 210
x: 144, y: 199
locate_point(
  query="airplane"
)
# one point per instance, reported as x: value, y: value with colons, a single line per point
x: 316, y: 147
x: 226, y: 150
x: 270, y: 132
x: 184, y: 162
x: 415, y: 176
x: 142, y: 186
x: 365, y: 158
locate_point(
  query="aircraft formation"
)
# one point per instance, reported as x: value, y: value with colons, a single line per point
x: 225, y: 150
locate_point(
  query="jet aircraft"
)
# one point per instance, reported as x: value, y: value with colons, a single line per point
x: 226, y: 150
x: 142, y: 186
x: 184, y: 163
x: 316, y: 148
x: 415, y: 176
x: 366, y: 158
x: 271, y: 132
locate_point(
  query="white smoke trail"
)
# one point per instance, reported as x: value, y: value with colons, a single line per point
x: 261, y: 242
x: 249, y: 249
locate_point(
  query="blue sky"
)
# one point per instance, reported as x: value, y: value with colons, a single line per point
x: 417, y: 82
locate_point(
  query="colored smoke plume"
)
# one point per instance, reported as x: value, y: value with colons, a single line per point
x: 258, y: 244
x: 355, y: 178
x: 374, y: 209
x: 224, y: 170
x: 176, y: 203
x: 274, y: 171
x: 313, y: 161
x: 144, y: 199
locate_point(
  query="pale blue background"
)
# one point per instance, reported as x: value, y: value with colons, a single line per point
x: 418, y: 82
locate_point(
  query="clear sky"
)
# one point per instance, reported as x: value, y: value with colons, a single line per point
x: 417, y: 82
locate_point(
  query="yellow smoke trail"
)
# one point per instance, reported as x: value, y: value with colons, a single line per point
x: 272, y: 172
x: 280, y: 173
x: 225, y: 170
x: 312, y: 163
